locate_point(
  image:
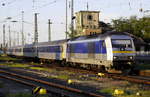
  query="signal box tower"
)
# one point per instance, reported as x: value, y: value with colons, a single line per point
x: 87, y: 23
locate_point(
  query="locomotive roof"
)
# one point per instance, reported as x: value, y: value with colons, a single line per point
x: 136, y: 39
x: 99, y: 35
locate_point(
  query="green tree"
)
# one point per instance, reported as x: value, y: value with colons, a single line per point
x: 139, y: 27
x: 71, y: 35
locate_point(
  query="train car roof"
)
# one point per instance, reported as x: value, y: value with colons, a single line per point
x: 18, y: 46
x: 28, y: 45
x: 53, y: 42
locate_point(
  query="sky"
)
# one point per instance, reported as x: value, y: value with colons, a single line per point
x: 55, y: 10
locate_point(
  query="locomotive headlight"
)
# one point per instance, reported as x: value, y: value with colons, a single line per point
x: 114, y: 57
x: 131, y: 57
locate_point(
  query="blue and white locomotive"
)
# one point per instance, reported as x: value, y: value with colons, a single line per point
x: 105, y: 51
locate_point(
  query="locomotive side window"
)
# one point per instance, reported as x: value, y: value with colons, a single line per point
x: 91, y: 47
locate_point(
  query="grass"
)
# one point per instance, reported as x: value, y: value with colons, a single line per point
x: 39, y: 68
x: 129, y: 91
x: 20, y: 95
x: 142, y: 94
x: 64, y: 77
x: 1, y: 85
x: 7, y: 58
x: 15, y: 65
x: 143, y: 66
x: 24, y: 95
x: 19, y: 65
x: 33, y: 63
x: 107, y: 90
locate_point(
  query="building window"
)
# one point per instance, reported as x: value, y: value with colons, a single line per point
x: 90, y: 17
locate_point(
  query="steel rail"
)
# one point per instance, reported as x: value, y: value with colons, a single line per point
x: 130, y: 78
x: 52, y: 84
x: 28, y: 84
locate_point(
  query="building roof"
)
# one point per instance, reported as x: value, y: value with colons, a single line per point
x: 88, y: 11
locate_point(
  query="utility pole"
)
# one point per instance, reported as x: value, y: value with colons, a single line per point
x: 36, y: 29
x: 35, y: 34
x: 15, y: 35
x: 4, y: 44
x: 66, y: 17
x: 49, y: 30
x: 14, y: 38
x: 18, y: 37
x: 72, y: 17
x: 9, y: 36
x: 22, y: 32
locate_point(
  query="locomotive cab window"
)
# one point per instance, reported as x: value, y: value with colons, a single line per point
x: 118, y: 43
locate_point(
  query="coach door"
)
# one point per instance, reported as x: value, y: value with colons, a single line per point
x: 57, y: 51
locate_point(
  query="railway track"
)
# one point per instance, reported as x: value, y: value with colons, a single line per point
x: 52, y: 88
x: 135, y: 79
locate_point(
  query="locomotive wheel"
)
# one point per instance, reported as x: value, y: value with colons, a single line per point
x: 101, y: 68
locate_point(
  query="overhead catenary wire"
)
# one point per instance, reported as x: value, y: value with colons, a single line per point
x: 30, y: 10
x: 5, y: 2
